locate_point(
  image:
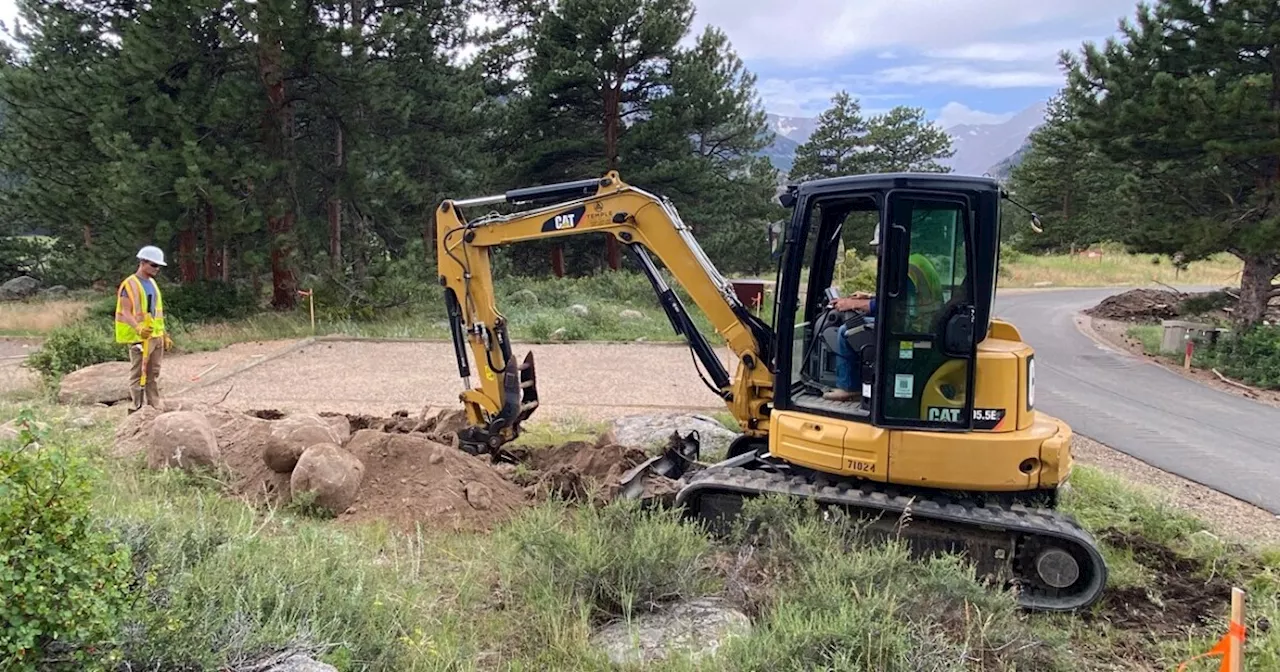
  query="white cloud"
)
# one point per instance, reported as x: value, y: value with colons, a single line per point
x: 1006, y: 52
x: 805, y: 31
x: 967, y: 76
x: 809, y: 96
x: 955, y: 114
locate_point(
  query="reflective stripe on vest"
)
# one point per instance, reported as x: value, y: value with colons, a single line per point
x: 132, y: 286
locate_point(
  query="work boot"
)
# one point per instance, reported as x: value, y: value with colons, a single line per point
x: 841, y: 395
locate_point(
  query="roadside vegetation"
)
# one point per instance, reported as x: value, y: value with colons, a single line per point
x: 159, y: 551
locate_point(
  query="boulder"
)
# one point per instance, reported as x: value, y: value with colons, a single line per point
x: 21, y: 287
x: 696, y: 628
x: 649, y: 430
x: 54, y: 291
x: 293, y: 435
x: 630, y: 314
x: 579, y: 310
x: 332, y: 473
x: 182, y: 439
x: 105, y: 383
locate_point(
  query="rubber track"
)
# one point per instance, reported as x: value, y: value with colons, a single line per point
x: 868, y: 495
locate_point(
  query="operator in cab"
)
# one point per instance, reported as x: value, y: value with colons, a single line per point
x: 924, y: 288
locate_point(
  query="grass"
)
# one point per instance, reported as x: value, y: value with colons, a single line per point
x: 20, y: 318
x: 1114, y: 268
x: 219, y: 584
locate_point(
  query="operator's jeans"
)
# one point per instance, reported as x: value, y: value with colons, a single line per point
x: 847, y: 364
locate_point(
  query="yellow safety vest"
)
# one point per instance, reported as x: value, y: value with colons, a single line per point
x: 132, y: 286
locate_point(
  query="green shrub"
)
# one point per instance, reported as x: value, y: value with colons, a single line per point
x: 611, y: 560
x: 207, y: 300
x: 1252, y: 356
x: 63, y: 579
x: 74, y: 347
x: 857, y: 274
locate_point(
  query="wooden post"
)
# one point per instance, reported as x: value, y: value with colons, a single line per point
x: 1186, y: 359
x: 1236, y: 651
x: 557, y: 261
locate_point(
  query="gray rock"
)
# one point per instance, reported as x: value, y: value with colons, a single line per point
x: 84, y: 422
x: 105, y: 383
x: 301, y: 663
x: 579, y: 310
x: 630, y: 314
x: 559, y: 334
x: 54, y: 291
x: 21, y: 287
x: 697, y: 629
x: 655, y: 429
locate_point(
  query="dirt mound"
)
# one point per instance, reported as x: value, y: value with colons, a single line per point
x: 411, y: 478
x: 1139, y: 305
x: 1181, y: 596
x: 414, y: 472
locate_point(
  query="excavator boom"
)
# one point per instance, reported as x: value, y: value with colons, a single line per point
x: 642, y: 223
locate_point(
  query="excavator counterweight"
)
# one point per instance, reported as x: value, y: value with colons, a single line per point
x: 917, y: 403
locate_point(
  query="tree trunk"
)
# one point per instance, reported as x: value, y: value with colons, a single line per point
x: 335, y: 208
x: 226, y: 263
x: 210, y: 246
x: 278, y: 130
x: 88, y: 236
x: 187, y: 269
x: 1255, y: 288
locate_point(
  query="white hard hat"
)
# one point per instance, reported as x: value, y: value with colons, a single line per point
x: 153, y: 254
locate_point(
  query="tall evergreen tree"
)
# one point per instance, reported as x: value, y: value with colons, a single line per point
x: 901, y: 140
x: 838, y: 145
x: 1065, y: 179
x: 1188, y: 100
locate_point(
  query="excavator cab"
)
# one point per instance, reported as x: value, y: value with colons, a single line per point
x: 909, y: 361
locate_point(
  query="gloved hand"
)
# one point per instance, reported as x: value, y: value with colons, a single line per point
x: 168, y: 343
x: 144, y: 331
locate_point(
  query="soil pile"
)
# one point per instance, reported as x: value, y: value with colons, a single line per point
x: 411, y: 478
x: 403, y: 469
x: 1139, y: 305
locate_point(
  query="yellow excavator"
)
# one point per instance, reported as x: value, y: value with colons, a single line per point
x: 945, y: 428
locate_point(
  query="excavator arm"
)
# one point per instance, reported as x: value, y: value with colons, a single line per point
x: 642, y: 223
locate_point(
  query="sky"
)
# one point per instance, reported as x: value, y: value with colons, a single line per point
x: 963, y: 61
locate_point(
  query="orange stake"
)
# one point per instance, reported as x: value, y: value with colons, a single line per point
x: 1231, y: 646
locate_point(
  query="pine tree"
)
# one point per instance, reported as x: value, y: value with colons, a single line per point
x: 1065, y: 179
x: 838, y: 145
x: 1188, y: 100
x: 901, y: 140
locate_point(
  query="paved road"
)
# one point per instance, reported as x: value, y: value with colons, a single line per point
x: 1226, y: 442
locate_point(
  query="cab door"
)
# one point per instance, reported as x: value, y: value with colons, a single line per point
x: 926, y: 349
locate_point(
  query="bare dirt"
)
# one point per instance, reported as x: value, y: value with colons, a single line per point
x: 1182, y: 596
x: 1139, y: 305
x: 587, y: 381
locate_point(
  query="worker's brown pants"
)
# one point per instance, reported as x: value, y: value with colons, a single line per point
x: 151, y: 393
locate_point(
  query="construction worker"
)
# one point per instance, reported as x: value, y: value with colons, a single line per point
x: 140, y: 325
x: 924, y: 293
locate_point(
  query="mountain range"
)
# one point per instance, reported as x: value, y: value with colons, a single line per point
x: 979, y: 148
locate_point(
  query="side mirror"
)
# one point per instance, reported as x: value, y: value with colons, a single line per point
x: 957, y: 337
x: 1035, y: 223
